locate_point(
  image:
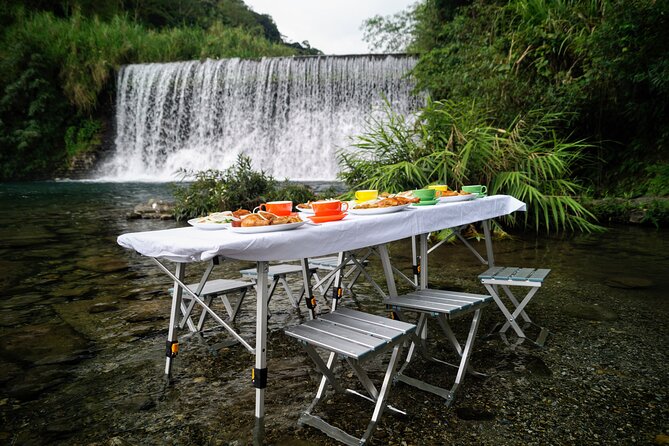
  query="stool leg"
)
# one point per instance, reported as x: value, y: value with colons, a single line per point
x: 510, y: 320
x: 519, y: 309
x: 383, y: 393
x: 515, y: 302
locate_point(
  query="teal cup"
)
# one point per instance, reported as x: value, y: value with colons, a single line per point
x: 424, y: 194
x: 475, y: 189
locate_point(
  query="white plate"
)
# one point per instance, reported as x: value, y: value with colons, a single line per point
x: 269, y: 228
x: 306, y: 210
x: 456, y: 198
x: 377, y: 211
x: 208, y: 226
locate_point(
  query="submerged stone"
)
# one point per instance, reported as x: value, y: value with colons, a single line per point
x: 589, y: 312
x: 45, y: 344
x: 628, y: 283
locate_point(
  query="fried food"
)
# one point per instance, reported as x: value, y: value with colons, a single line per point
x: 285, y: 220
x: 239, y: 213
x: 389, y: 201
x: 254, y: 220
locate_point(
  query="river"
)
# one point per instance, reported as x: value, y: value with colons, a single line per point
x: 83, y: 323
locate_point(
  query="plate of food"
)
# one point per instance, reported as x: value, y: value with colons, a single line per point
x: 457, y: 196
x: 266, y: 222
x: 213, y: 221
x: 305, y: 207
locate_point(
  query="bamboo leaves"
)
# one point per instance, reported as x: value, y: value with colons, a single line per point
x: 456, y: 143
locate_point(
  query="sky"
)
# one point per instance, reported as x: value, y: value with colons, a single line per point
x: 332, y: 26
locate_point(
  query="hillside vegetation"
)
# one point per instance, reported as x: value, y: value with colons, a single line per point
x: 58, y: 62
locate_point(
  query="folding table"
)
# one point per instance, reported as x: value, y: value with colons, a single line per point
x: 187, y: 245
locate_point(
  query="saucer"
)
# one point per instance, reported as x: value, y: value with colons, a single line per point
x: 427, y: 202
x: 326, y: 218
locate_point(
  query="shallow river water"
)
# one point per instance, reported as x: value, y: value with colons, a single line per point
x: 83, y: 324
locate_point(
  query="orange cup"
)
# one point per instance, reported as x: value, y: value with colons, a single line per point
x: 329, y: 207
x: 280, y: 208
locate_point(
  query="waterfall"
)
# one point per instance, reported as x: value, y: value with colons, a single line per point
x: 289, y: 115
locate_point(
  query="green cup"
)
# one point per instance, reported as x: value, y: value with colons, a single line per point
x: 475, y: 189
x: 424, y: 194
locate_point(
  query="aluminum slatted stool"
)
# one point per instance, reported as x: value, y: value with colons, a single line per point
x: 443, y: 306
x: 277, y: 274
x: 331, y: 263
x: 220, y: 288
x: 357, y: 337
x: 514, y: 276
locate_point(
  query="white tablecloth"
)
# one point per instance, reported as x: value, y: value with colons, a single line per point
x: 354, y: 232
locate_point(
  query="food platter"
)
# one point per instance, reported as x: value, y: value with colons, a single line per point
x: 209, y: 226
x: 377, y: 211
x: 268, y: 228
x: 456, y: 198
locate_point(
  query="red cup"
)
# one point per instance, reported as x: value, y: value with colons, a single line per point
x: 329, y: 207
x: 280, y: 208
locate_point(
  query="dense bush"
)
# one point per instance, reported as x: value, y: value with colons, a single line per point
x: 602, y: 64
x: 237, y: 187
x: 458, y: 143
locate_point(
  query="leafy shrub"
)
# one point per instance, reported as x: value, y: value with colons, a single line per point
x: 83, y: 138
x: 297, y: 193
x: 456, y: 144
x: 239, y: 186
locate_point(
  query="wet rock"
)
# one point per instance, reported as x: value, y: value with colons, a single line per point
x: 148, y: 315
x: 662, y: 439
x: 138, y: 403
x: 103, y: 307
x: 589, y: 312
x: 36, y: 381
x: 9, y: 371
x: 537, y: 367
x: 628, y: 283
x: 473, y: 414
x: 155, y: 209
x: 72, y: 291
x: 103, y: 264
x: 44, y: 344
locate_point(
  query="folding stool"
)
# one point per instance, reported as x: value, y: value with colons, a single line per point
x: 443, y: 306
x: 215, y: 288
x: 514, y: 276
x: 277, y: 274
x: 357, y: 337
x: 331, y: 263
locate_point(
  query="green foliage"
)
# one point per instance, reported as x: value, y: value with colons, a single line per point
x: 83, y: 138
x: 237, y: 187
x: 297, y: 193
x: 457, y: 143
x: 602, y: 64
x: 56, y: 73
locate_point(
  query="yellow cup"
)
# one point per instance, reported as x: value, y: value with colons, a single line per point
x: 439, y: 188
x: 366, y: 195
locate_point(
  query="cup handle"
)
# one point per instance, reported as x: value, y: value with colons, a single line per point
x: 357, y: 197
x: 261, y: 208
x: 344, y: 206
x: 484, y: 189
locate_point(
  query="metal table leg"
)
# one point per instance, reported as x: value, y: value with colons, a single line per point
x: 259, y: 376
x: 172, y: 344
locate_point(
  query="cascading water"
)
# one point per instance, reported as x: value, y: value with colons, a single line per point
x: 289, y: 115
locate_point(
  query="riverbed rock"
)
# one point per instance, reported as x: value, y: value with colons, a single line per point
x: 103, y: 264
x: 45, y: 344
x: 628, y: 282
x: 103, y: 307
x: 155, y: 209
x: 589, y: 312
